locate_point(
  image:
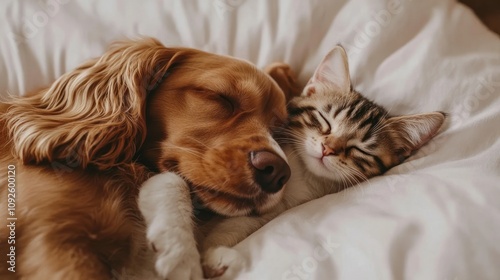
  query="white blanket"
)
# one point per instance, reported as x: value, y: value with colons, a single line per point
x: 437, y: 216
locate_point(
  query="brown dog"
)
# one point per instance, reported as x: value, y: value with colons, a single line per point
x: 81, y: 148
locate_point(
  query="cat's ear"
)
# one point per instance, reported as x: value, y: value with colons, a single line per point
x: 333, y: 71
x: 413, y: 131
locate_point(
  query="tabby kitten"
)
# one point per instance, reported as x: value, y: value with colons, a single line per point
x: 335, y: 138
x: 344, y: 137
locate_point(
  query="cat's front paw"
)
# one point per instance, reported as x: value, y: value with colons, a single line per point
x: 222, y: 263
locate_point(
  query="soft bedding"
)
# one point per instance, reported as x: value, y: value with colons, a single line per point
x: 437, y: 216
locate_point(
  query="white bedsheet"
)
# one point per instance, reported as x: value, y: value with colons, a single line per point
x: 435, y: 217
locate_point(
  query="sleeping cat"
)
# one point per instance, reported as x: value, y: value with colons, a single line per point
x: 334, y: 139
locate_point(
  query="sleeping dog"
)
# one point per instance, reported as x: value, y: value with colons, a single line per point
x: 83, y: 146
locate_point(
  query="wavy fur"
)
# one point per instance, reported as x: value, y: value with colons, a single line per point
x: 95, y: 111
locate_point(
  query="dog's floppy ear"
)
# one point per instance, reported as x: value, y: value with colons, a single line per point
x: 286, y: 79
x: 95, y: 113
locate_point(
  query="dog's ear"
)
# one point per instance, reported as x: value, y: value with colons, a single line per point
x: 93, y: 115
x: 286, y: 79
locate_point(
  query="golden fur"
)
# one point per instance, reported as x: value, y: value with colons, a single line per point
x: 83, y: 146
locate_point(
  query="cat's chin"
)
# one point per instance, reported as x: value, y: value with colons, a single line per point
x: 318, y: 168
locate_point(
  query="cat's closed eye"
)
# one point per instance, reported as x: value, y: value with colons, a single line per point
x: 361, y: 150
x: 325, y: 129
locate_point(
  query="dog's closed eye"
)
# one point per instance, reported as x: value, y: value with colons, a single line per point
x: 220, y: 104
x: 227, y: 103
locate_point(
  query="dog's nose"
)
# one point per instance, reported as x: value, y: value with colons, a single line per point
x: 271, y: 171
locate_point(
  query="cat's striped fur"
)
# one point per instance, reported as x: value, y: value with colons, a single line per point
x: 363, y: 118
x: 355, y: 138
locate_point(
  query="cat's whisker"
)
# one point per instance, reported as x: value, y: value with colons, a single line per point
x: 344, y: 177
x: 351, y: 179
x: 346, y: 182
x: 296, y: 152
x: 289, y: 141
x: 359, y: 177
x: 293, y: 134
x: 357, y: 172
x: 354, y: 174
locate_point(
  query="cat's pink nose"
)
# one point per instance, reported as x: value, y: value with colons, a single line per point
x: 327, y: 150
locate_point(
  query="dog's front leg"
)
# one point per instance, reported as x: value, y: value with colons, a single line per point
x: 165, y: 203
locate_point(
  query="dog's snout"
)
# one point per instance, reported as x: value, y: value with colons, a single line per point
x: 271, y: 172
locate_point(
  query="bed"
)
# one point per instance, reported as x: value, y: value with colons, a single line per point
x: 437, y: 216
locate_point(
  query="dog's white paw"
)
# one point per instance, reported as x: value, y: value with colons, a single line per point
x: 166, y: 205
x: 179, y: 262
x: 177, y: 257
x: 222, y: 263
x: 185, y: 267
